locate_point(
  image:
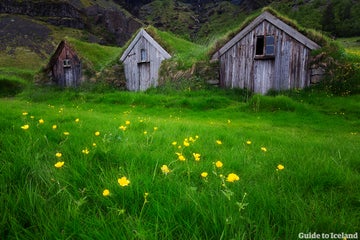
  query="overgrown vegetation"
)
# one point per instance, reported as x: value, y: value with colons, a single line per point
x: 122, y: 165
x: 342, y: 70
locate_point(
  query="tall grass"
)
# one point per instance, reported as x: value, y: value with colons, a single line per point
x: 317, y: 190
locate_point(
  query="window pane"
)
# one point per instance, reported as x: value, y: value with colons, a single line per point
x: 270, y: 40
x: 270, y: 50
x: 143, y: 55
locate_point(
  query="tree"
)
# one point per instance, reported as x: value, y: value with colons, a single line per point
x: 328, y: 19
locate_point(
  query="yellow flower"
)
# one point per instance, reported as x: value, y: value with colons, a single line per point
x: 77, y: 120
x: 32, y: 117
x: 127, y: 122
x: 123, y: 181
x: 85, y: 151
x: 106, y: 192
x: 263, y: 149
x: 25, y: 113
x: 41, y: 121
x: 218, y: 142
x: 155, y: 128
x: 204, y: 174
x: 197, y: 156
x: 58, y: 154
x: 122, y: 128
x: 186, y: 143
x: 25, y: 127
x: 165, y: 169
x: 180, y: 157
x: 59, y: 164
x: 145, y: 132
x: 191, y: 139
x: 232, y: 177
x: 54, y: 126
x: 174, y: 143
x: 248, y: 142
x: 94, y: 144
x: 97, y: 133
x: 66, y: 133
x: 280, y: 167
x: 218, y: 164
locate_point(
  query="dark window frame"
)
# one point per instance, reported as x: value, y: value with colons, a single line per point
x: 66, y: 63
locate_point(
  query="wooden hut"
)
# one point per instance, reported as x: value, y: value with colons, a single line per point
x: 65, y: 66
x: 142, y: 60
x: 266, y: 54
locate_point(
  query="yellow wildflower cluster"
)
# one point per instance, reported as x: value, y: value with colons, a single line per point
x: 123, y: 181
x: 185, y: 152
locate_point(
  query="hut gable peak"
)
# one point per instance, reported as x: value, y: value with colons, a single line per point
x: 267, y: 16
x: 143, y: 34
x: 54, y: 58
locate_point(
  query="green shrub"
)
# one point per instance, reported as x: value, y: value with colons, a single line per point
x: 342, y: 71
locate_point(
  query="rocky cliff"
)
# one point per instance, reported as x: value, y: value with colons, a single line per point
x: 109, y: 25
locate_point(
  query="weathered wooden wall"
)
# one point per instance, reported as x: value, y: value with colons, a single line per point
x: 288, y: 69
x: 66, y: 76
x: 139, y: 74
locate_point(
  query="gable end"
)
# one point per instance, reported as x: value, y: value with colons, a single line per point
x: 266, y: 16
x: 144, y: 34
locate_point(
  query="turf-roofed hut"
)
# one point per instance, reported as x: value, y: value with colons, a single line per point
x: 266, y: 54
x: 142, y: 60
x: 64, y: 66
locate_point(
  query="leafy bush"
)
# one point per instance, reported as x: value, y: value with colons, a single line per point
x: 342, y: 71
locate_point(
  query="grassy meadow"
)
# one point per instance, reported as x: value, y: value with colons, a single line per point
x: 207, y: 164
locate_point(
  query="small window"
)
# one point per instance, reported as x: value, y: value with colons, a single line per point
x: 66, y: 63
x: 143, y: 55
x: 265, y: 46
x: 270, y: 45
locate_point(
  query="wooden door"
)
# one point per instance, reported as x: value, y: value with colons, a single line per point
x: 68, y: 76
x: 263, y: 75
x: 144, y: 76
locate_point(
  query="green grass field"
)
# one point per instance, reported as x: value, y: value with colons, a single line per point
x: 290, y: 165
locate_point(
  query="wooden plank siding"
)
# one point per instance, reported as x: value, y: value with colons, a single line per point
x: 65, y: 66
x: 288, y: 68
x: 142, y: 69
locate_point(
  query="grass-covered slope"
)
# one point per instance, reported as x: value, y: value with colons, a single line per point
x: 127, y: 165
x: 99, y: 56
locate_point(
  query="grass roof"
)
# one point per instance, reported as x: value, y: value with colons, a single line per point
x: 312, y: 34
x: 181, y: 50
